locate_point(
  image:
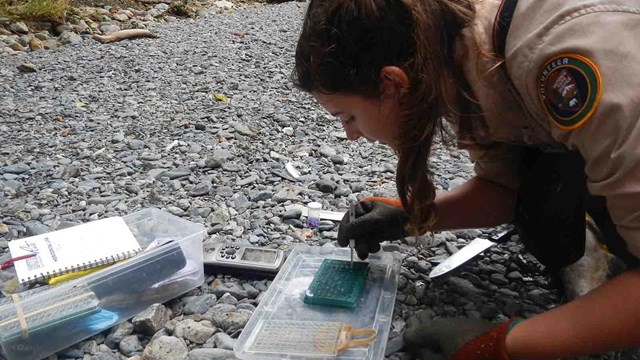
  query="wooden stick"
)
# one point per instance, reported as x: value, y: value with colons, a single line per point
x: 123, y: 35
x: 154, y: 1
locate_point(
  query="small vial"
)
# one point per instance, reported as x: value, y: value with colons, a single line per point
x: 313, y: 216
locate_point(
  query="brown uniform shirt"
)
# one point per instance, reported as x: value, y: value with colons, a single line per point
x: 573, y: 79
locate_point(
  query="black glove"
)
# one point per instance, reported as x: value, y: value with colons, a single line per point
x: 377, y: 220
x: 456, y: 338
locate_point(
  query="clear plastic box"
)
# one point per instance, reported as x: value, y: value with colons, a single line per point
x: 45, y: 321
x: 282, y: 324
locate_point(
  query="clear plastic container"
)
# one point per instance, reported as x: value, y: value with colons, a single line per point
x: 313, y: 214
x: 41, y: 322
x: 283, y: 309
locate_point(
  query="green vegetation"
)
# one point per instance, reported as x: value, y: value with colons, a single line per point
x: 34, y: 10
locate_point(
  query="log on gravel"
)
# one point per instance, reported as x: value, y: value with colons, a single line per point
x: 123, y: 35
x: 168, y: 2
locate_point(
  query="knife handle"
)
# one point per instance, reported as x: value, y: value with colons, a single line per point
x: 504, y: 235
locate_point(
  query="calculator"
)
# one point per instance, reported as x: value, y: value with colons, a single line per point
x: 242, y: 260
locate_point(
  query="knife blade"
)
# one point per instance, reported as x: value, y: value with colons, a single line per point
x: 474, y: 248
x: 352, y: 218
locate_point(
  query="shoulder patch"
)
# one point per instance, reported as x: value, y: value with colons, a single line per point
x: 569, y: 88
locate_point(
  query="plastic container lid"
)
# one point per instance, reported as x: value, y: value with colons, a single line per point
x: 314, y: 206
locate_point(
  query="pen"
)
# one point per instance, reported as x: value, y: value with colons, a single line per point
x: 74, y: 275
x: 9, y: 263
x: 352, y: 217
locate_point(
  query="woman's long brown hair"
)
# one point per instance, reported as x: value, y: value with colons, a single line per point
x: 345, y: 43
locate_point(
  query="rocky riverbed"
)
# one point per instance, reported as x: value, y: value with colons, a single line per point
x: 83, y: 21
x: 200, y: 122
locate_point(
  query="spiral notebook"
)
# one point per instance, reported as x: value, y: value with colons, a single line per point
x: 73, y: 249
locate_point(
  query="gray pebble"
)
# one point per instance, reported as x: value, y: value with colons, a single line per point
x: 136, y: 144
x: 35, y: 228
x: 69, y: 38
x: 451, y: 248
x: 109, y: 28
x: 244, y: 129
x: 227, y: 299
x: 231, y: 167
x: 223, y: 341
x: 251, y: 291
x: 337, y: 159
x: 538, y: 296
x: 342, y: 191
x: 247, y: 307
x: 16, y: 168
x: 152, y: 319
x: 165, y: 348
x: 288, y: 193
x: 118, y: 333
x: 499, y: 279
x: 324, y: 225
x: 294, y: 222
x: 211, y: 354
x: 225, y: 191
x: 247, y: 180
x: 326, y: 186
x: 326, y: 150
x: 514, y: 275
x: 357, y: 187
x: 463, y: 287
x: 233, y: 289
x: 89, y: 347
x: 423, y: 267
x: 228, y: 321
x: 262, y: 196
x: 199, y: 304
x: 292, y: 214
x: 468, y: 234
x: 196, y: 332
x: 177, y: 173
x: 130, y: 345
x: 201, y: 189
x: 19, y: 27
x: 508, y: 293
x: 105, y: 356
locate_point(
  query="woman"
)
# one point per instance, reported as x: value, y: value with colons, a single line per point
x: 543, y: 109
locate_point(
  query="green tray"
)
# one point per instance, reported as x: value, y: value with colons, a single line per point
x: 337, y: 283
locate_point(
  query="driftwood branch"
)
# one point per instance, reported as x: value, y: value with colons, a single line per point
x: 123, y: 35
x: 154, y: 1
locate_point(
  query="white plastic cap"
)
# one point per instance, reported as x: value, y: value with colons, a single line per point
x: 314, y: 206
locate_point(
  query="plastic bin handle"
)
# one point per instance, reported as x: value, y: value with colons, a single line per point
x: 20, y: 314
x: 347, y: 333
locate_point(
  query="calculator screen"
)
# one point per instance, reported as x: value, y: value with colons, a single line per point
x: 259, y: 255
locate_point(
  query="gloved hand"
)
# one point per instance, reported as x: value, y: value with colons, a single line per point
x: 457, y: 338
x: 377, y: 219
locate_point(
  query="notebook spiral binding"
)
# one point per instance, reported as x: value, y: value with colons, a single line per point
x: 81, y: 266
